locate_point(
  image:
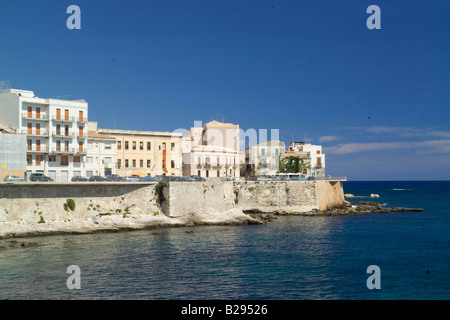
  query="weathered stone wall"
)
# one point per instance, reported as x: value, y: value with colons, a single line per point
x: 32, y: 202
x: 330, y: 194
x: 193, y: 198
x: 270, y: 196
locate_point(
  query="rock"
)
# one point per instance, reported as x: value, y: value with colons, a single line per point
x: 349, y: 195
x: 373, y: 195
x: 29, y: 244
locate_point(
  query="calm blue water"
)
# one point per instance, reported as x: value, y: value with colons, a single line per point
x: 289, y: 258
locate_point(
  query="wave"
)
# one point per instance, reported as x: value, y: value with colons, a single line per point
x: 399, y: 189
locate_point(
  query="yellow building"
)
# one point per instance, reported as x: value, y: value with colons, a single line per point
x: 143, y: 153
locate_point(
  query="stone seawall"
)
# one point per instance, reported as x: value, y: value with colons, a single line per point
x: 41, y: 208
x: 187, y: 198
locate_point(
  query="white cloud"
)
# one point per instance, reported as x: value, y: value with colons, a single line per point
x: 416, y: 147
x: 328, y: 138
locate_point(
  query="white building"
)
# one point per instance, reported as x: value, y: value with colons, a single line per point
x: 12, y: 153
x: 55, y: 130
x: 312, y: 154
x: 101, y: 153
x: 211, y: 151
x: 263, y: 159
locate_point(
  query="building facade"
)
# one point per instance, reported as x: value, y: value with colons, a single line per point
x: 146, y: 153
x: 101, y: 156
x: 55, y: 130
x: 263, y: 159
x: 13, y: 153
x: 310, y: 155
x: 211, y: 151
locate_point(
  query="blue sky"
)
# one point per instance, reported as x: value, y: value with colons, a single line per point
x: 311, y: 69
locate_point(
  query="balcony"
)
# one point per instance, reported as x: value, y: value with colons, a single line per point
x: 63, y: 136
x: 63, y: 119
x: 42, y: 149
x: 82, y: 151
x: 82, y: 120
x: 64, y: 151
x: 40, y: 133
x: 34, y: 116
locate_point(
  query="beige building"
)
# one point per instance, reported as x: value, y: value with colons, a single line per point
x: 143, y: 153
x: 211, y: 151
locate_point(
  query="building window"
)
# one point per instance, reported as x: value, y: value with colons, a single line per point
x: 66, y: 146
x: 149, y: 145
x: 207, y: 161
x: 76, y: 159
x: 38, y: 113
x: 172, y: 146
x: 64, y: 160
x: 107, y: 160
x: 172, y: 164
x: 199, y: 173
x: 80, y: 116
x: 80, y: 131
x: 58, y: 146
x: 119, y: 163
x: 141, y: 145
x: 30, y: 112
x: 58, y: 114
x: 126, y: 163
x: 66, y: 130
x: 207, y: 173
x: 218, y: 173
x: 107, y: 146
x: 276, y: 152
x: 30, y: 128
x: 263, y: 152
x: 58, y: 130
x: 126, y: 145
x: 199, y: 160
x: 141, y: 163
x: 119, y: 145
x: 218, y: 161
x: 29, y: 145
x: 318, y: 152
x: 148, y: 163
x: 29, y: 160
x: 89, y: 160
x: 51, y: 158
x: 134, y: 145
x: 66, y: 114
x: 134, y: 163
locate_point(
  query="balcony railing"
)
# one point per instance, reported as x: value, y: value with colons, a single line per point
x: 63, y: 118
x: 33, y: 116
x: 83, y: 119
x: 63, y: 135
x: 35, y: 133
x: 42, y: 149
x: 64, y: 151
x: 82, y: 150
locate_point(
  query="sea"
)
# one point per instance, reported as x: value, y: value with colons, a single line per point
x: 371, y: 256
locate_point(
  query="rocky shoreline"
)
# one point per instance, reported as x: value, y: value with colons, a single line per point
x: 349, y: 208
x: 108, y: 224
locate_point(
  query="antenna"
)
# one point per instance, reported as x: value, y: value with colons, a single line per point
x: 63, y: 97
